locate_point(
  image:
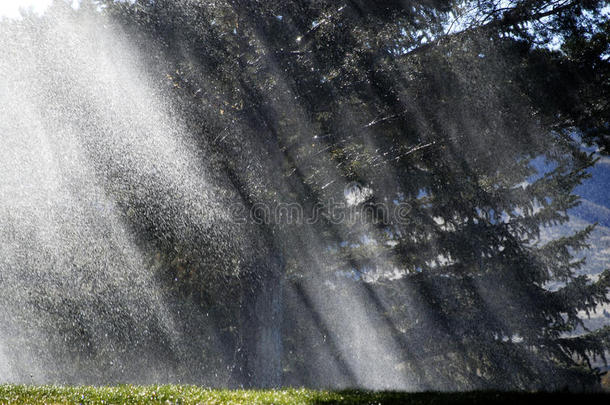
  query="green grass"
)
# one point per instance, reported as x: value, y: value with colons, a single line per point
x: 179, y: 394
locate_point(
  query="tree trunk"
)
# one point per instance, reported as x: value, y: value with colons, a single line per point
x: 261, y: 337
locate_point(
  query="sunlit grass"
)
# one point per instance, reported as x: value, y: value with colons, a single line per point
x: 183, y: 394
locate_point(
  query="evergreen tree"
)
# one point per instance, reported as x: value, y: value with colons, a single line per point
x: 438, y: 106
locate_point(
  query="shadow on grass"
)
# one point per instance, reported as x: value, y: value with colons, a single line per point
x: 484, y: 397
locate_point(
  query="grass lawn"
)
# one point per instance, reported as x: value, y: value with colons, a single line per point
x: 177, y: 394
